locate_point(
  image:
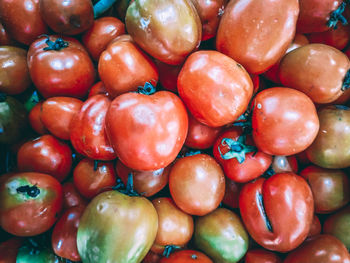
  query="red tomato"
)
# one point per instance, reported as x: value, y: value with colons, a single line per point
x: 197, y: 184
x: 29, y: 203
x: 186, y: 256
x: 232, y: 190
x: 90, y: 181
x: 65, y: 72
x: 57, y: 114
x: 214, y: 87
x: 168, y: 75
x: 256, y: 33
x: 5, y: 39
x: 123, y: 67
x: 35, y: 119
x: 147, y: 131
x: 261, y: 256
x: 64, y: 235
x: 315, y: 228
x: 98, y: 88
x: 240, y: 161
x: 284, y: 121
x: 9, y: 250
x: 45, y: 154
x: 71, y: 196
x: 88, y: 134
x: 97, y: 38
x: 278, y: 211
x: 22, y: 20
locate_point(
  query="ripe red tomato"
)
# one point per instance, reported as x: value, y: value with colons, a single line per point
x: 256, y: 33
x: 315, y: 228
x: 98, y: 88
x: 284, y: 121
x: 197, y: 184
x: 168, y: 75
x: 67, y: 71
x: 123, y: 67
x: 147, y: 131
x: 186, y: 256
x: 215, y: 88
x: 45, y: 154
x: 87, y: 131
x: 71, y: 196
x: 261, y: 203
x: 232, y: 190
x: 261, y: 256
x: 35, y: 119
x: 29, y: 203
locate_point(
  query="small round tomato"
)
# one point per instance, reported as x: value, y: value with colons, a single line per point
x: 284, y: 121
x: 315, y: 228
x: 186, y: 256
x: 60, y: 67
x: 261, y: 256
x: 35, y: 119
x: 57, y: 114
x: 71, y: 196
x: 98, y: 88
x: 29, y: 203
x: 214, y: 101
x: 197, y: 184
x: 45, y: 154
x: 100, y: 34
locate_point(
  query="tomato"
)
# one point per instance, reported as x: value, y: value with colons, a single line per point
x: 35, y: 119
x: 331, y: 148
x: 284, y: 121
x: 330, y: 188
x: 338, y: 225
x: 315, y: 14
x: 261, y: 203
x: 29, y: 203
x: 239, y: 159
x: 14, y: 77
x: 22, y: 20
x: 114, y: 220
x: 299, y: 68
x: 27, y: 254
x: 9, y: 250
x: 98, y: 88
x: 168, y: 75
x: 88, y: 134
x: 167, y: 30
x: 232, y: 190
x: 151, y: 257
x: 64, y: 235
x: 261, y: 256
x: 146, y: 183
x: 221, y: 236
x: 174, y: 226
x: 282, y: 164
x: 200, y: 136
x: 65, y: 69
x: 71, y: 196
x: 5, y: 38
x: 45, y: 154
x: 320, y: 249
x: 13, y: 119
x: 90, y: 181
x: 147, y: 131
x: 186, y: 256
x: 315, y: 228
x: 100, y: 34
x: 213, y: 100
x: 256, y: 33
x: 197, y: 184
x: 57, y: 114
x: 69, y: 18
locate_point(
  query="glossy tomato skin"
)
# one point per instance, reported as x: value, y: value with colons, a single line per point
x: 131, y: 224
x: 70, y: 17
x: 330, y: 188
x: 22, y: 20
x: 123, y: 67
x: 98, y: 88
x: 261, y: 256
x: 71, y: 196
x: 284, y: 121
x: 320, y: 249
x: 158, y: 28
x: 9, y: 249
x: 211, y: 100
x: 315, y: 228
x: 317, y: 70
x: 64, y: 235
x: 91, y: 182
x: 254, y: 164
x: 197, y: 184
x: 68, y: 72
x: 261, y: 203
x: 221, y: 236
x: 257, y: 33
x: 138, y: 128
x: 174, y: 226
x: 88, y: 134
x: 186, y: 256
x: 146, y: 183
x: 101, y: 33
x: 24, y: 213
x: 45, y: 154
x: 331, y: 148
x: 35, y: 119
x: 57, y: 114
x: 5, y: 38
x: 282, y: 164
x: 14, y: 77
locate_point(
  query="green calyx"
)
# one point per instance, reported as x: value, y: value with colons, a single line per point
x: 346, y: 81
x: 129, y: 189
x: 169, y: 249
x: 57, y: 45
x: 32, y: 191
x: 102, y: 6
x: 147, y: 89
x: 336, y: 16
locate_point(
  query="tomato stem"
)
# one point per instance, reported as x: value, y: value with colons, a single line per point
x: 169, y: 249
x: 336, y: 16
x: 32, y: 191
x: 129, y: 189
x: 346, y: 81
x: 147, y: 89
x: 261, y: 208
x: 102, y: 6
x: 237, y: 149
x: 57, y: 45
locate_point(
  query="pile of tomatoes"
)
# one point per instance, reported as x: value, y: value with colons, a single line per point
x: 174, y: 131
